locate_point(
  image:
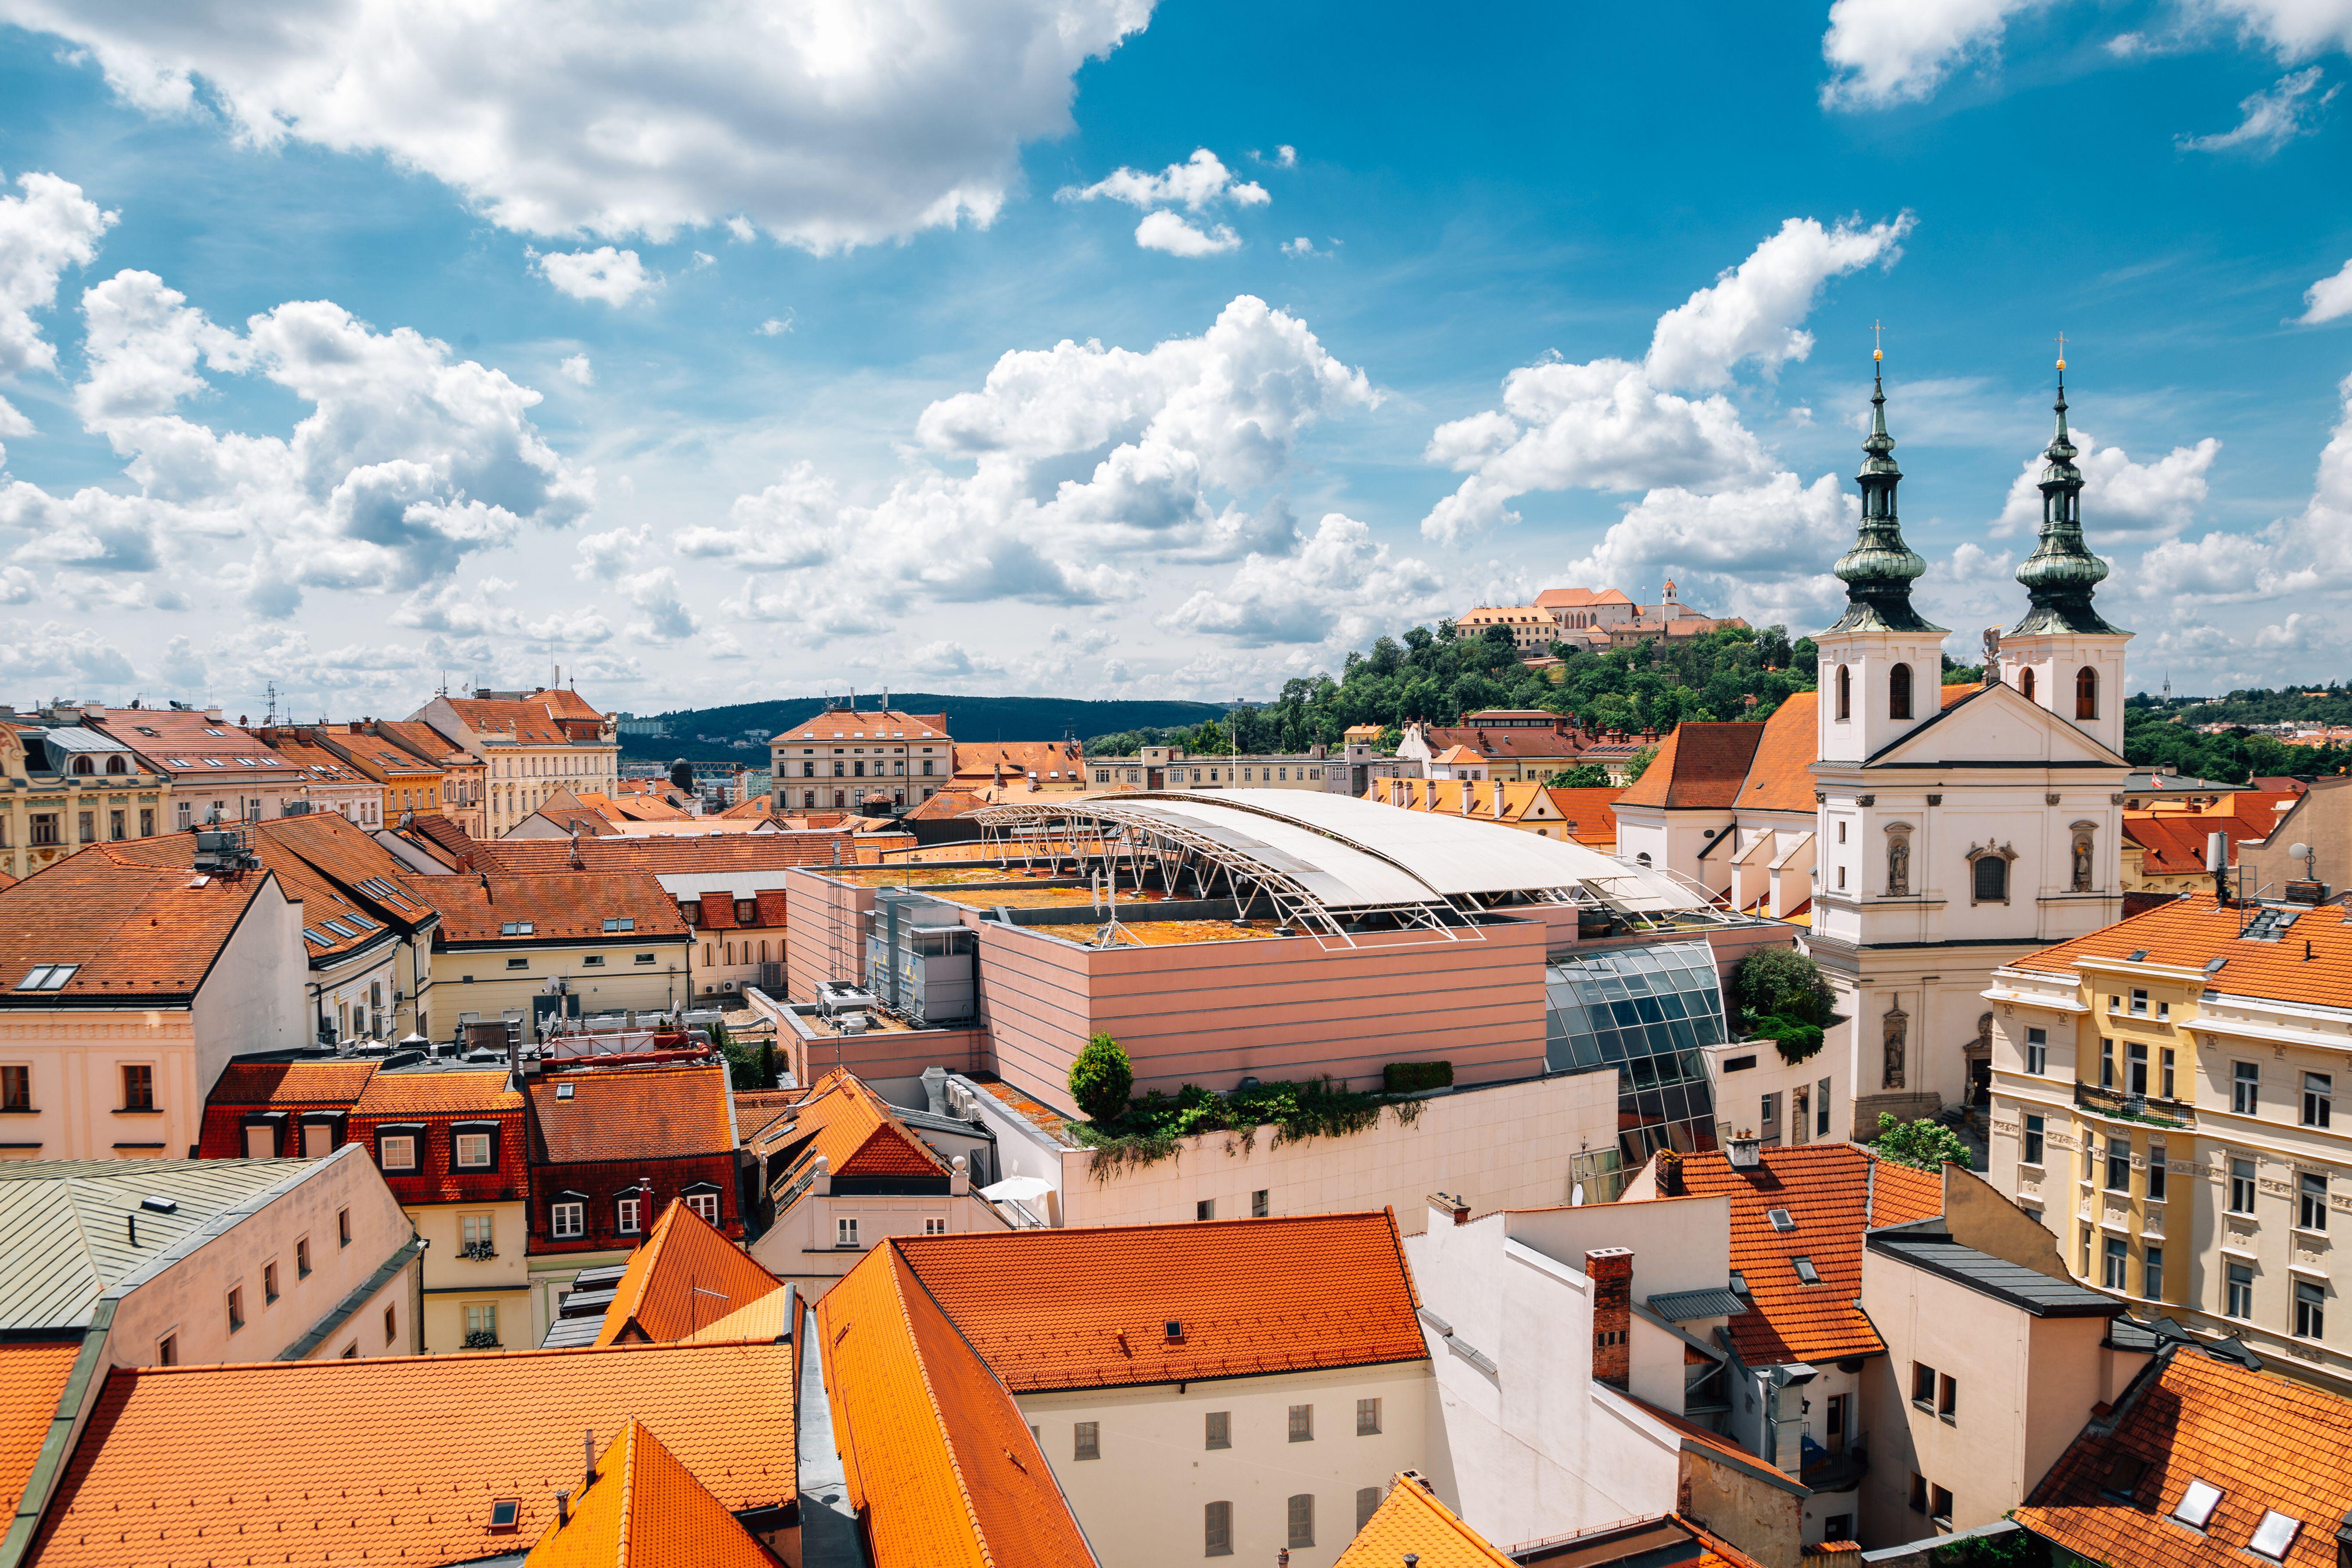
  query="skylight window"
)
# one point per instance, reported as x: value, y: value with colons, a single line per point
x: 339, y: 928
x: 1780, y: 1218
x: 322, y: 940
x: 214, y: 763
x: 2198, y: 1503
x: 245, y: 762
x: 223, y: 733
x: 625, y: 922
x: 47, y: 977
x: 361, y: 921
x: 2275, y: 1534
x: 563, y: 1091
x: 516, y: 928
x: 1806, y: 1272
x: 1739, y: 1283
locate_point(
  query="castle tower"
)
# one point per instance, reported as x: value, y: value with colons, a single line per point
x: 2063, y: 655
x: 1882, y: 663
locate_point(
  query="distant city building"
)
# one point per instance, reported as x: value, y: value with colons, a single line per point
x: 68, y: 786
x: 1173, y: 768
x: 1592, y: 621
x: 847, y: 759
x: 1516, y: 745
x: 531, y: 743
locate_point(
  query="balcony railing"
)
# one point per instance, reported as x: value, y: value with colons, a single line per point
x: 2150, y: 1109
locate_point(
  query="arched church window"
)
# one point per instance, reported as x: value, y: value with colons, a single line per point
x: 1898, y: 692
x: 2087, y: 693
x: 116, y: 766
x: 2026, y: 683
x: 1844, y: 692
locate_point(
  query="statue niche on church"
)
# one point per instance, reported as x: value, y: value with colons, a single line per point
x: 2081, y: 859
x: 1898, y: 1024
x: 1898, y: 861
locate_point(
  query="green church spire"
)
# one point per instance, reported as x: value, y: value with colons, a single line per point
x: 2061, y: 573
x: 1879, y: 570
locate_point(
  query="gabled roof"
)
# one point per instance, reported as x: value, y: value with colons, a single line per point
x: 732, y: 854
x: 394, y: 1095
x: 492, y: 906
x: 2265, y: 1442
x: 525, y: 724
x: 332, y: 867
x: 128, y: 930
x: 685, y: 1275
x: 1412, y: 1520
x: 1508, y: 741
x: 1589, y: 811
x: 189, y: 745
x: 400, y: 1456
x: 32, y: 1383
x: 1578, y: 599
x: 290, y: 1087
x: 867, y: 724
x: 1833, y: 1192
x: 1983, y: 705
x: 1700, y: 767
x: 939, y: 1462
x: 422, y: 742
x: 1054, y: 761
x: 2192, y: 932
x: 644, y: 1510
x: 657, y: 1111
x: 856, y: 1133
x: 2171, y: 842
x: 1090, y: 1309
x: 717, y: 912
x: 1779, y: 776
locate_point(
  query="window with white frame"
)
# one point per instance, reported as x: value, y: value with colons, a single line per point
x: 2318, y: 1099
x: 473, y: 1151
x: 568, y: 1221
x: 844, y: 1232
x: 935, y: 1224
x: 2037, y: 1051
x: 704, y: 1207
x: 628, y: 1214
x: 396, y: 1152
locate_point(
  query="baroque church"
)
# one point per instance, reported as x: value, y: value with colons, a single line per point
x: 1925, y: 833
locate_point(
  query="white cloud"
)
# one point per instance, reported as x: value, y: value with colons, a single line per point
x: 786, y: 526
x: 2121, y: 500
x: 824, y: 124
x: 614, y: 277
x: 2329, y: 298
x: 739, y: 229
x: 576, y: 368
x: 776, y: 326
x: 1166, y: 231
x: 477, y: 608
x: 1285, y: 157
x: 18, y: 586
x: 1337, y: 588
x: 50, y: 228
x: 54, y: 651
x: 1199, y: 183
x: 1891, y: 51
x: 1755, y: 311
x: 610, y: 554
x: 1760, y: 550
x: 2290, y: 29
x: 2269, y: 119
x: 2310, y: 552
x: 1303, y: 247
x: 663, y: 615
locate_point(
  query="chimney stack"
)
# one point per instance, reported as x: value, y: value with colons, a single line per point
x: 1611, y: 1269
x: 1670, y: 1173
x: 2217, y: 860
x: 1453, y: 1204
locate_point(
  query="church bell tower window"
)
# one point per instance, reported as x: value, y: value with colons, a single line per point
x: 1898, y: 692
x: 2087, y: 693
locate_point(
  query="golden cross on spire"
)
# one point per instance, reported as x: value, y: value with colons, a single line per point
x: 1876, y: 352
x: 2062, y: 350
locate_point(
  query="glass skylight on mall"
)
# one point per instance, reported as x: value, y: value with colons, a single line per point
x: 1644, y: 1011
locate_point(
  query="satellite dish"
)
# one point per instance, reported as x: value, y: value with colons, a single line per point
x: 2298, y: 851
x: 1576, y: 1196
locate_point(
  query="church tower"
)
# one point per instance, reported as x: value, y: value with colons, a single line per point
x: 2062, y: 655
x: 1882, y: 665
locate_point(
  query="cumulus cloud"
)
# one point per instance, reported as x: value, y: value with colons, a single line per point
x: 610, y: 554
x: 1303, y: 247
x: 2269, y: 119
x: 1166, y: 231
x: 2329, y: 298
x: 776, y: 326
x: 1760, y: 550
x: 612, y: 276
x: 1198, y: 184
x: 824, y: 126
x: 576, y: 368
x: 49, y: 228
x: 2309, y: 552
x: 1755, y: 311
x: 2121, y: 500
x: 1338, y: 587
x: 1891, y: 51
x: 661, y: 612
x: 2290, y: 29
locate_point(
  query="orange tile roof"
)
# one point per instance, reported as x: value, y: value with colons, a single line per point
x: 424, y: 742
x: 1054, y: 761
x: 1833, y: 1191
x: 136, y: 932
x: 524, y: 723
x: 286, y: 1086
x: 685, y: 1275
x: 1698, y: 767
x: 2267, y: 1442
x: 1578, y: 599
x: 564, y: 702
x: 856, y: 1133
x: 1410, y: 1518
x: 32, y: 1379
x: 769, y: 1317
x: 940, y: 1463
x: 644, y: 1510
x: 1781, y: 776
x: 569, y: 907
x: 178, y: 743
x: 748, y: 854
x: 2190, y: 932
x: 1589, y: 811
x: 868, y: 724
x: 321, y: 860
x: 660, y: 1112
x: 396, y: 1094
x: 1510, y: 742
x: 444, y: 1436
x: 2172, y: 843
x: 1089, y: 1309
x: 317, y: 765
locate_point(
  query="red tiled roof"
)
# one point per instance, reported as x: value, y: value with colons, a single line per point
x: 1779, y: 777
x: 2172, y: 843
x: 1698, y: 767
x: 1412, y: 1520
x: 321, y: 860
x: 661, y: 1111
x: 274, y: 1086
x: 32, y: 1378
x: 940, y: 1464
x: 2266, y: 1443
x: 685, y: 1276
x: 856, y: 1133
x: 1591, y: 811
x: 1508, y: 742
x: 403, y: 1454
x: 646, y: 1508
x: 134, y: 931
x: 572, y: 907
x: 2190, y: 932
x: 1833, y: 1191
x: 868, y: 724
x: 393, y: 1095
x: 716, y: 911
x: 677, y: 854
x: 423, y: 741
x: 178, y: 742
x: 1089, y: 1309
x: 525, y: 724
x: 1578, y: 599
x: 1054, y: 761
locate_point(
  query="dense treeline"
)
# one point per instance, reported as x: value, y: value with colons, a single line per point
x: 2155, y: 737
x: 2316, y: 705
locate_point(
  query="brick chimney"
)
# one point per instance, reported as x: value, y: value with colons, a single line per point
x: 1452, y: 1204
x: 1611, y: 1269
x: 1670, y: 1173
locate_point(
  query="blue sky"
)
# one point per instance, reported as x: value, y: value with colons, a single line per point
x: 1086, y: 347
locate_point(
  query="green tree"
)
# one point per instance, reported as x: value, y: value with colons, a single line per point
x: 1102, y: 1079
x: 1927, y: 1145
x: 1782, y: 982
x: 1584, y: 775
x: 1639, y: 764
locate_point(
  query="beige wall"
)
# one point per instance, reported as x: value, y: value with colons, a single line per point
x: 1144, y: 1500
x: 2321, y: 819
x: 66, y: 799
x: 800, y: 1247
x: 452, y: 1282
x: 618, y: 985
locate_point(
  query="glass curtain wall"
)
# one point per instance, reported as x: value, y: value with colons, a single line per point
x: 1645, y: 1012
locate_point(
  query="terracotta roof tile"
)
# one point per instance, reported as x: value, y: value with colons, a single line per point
x: 1509, y: 743
x: 563, y: 907
x: 1410, y: 1518
x: 685, y: 1275
x: 644, y: 1510
x: 398, y: 1094
x: 32, y: 1378
x: 321, y: 861
x: 422, y: 742
x: 2172, y: 843
x: 856, y: 1133
x: 939, y: 1462
x: 1833, y: 1191
x: 1054, y: 761
x: 1089, y: 1309
x: 131, y: 929
x: 768, y: 1317
x: 654, y: 1112
x: 1780, y: 778
x: 526, y: 724
x: 2190, y: 932
x: 1591, y: 811
x: 1698, y: 767
x: 2265, y: 1442
x: 444, y: 1436
x: 178, y: 742
x: 745, y: 854
x: 867, y: 724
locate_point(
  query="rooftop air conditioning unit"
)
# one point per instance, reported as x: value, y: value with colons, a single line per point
x: 853, y: 1023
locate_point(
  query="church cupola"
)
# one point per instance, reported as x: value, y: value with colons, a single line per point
x: 1880, y: 670
x: 2063, y: 655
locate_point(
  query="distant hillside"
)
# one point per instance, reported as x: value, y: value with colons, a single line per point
x: 708, y: 735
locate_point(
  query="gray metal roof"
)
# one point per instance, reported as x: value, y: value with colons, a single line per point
x: 1682, y: 1305
x: 63, y: 739
x: 2021, y: 1287
x: 64, y: 1231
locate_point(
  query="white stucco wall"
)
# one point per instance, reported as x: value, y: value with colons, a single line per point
x: 800, y: 1247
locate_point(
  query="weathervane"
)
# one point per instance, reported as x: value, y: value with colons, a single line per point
x: 2062, y: 350
x: 1876, y: 352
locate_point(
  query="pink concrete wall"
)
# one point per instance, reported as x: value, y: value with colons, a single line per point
x: 825, y: 932
x: 1208, y: 1013
x: 885, y: 1052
